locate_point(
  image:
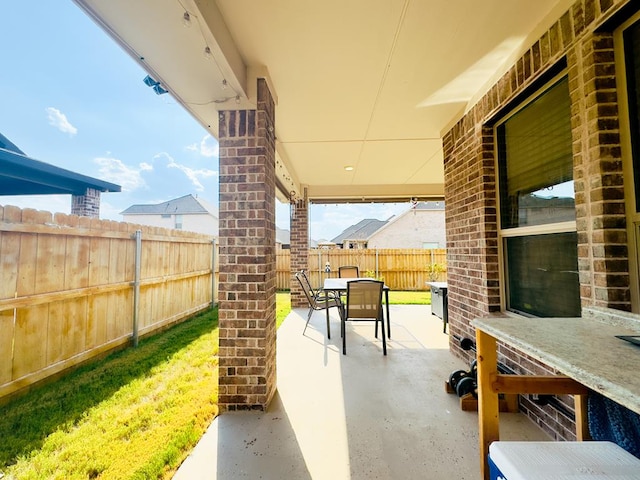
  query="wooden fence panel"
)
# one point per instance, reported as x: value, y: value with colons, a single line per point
x: 76, y: 272
x: 30, y: 352
x: 67, y: 290
x: 401, y: 269
x: 7, y: 334
x: 10, y: 248
x: 27, y: 265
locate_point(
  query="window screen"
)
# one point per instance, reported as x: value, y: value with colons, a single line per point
x: 543, y: 275
x: 537, y: 177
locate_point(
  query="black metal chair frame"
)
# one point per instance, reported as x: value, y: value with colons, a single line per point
x: 318, y: 300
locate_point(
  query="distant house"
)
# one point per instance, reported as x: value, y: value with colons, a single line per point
x: 23, y: 175
x: 283, y: 238
x: 357, y: 236
x: 185, y: 213
x: 422, y: 226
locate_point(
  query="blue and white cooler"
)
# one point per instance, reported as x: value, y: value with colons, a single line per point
x: 561, y: 461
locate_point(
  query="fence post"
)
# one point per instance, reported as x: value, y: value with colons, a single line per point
x: 377, y: 265
x: 136, y: 287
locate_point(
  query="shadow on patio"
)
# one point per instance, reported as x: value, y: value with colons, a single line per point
x: 358, y: 416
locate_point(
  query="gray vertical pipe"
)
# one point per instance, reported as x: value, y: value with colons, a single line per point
x: 136, y: 287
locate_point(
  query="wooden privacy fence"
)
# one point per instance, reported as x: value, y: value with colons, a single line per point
x: 72, y: 289
x: 401, y: 269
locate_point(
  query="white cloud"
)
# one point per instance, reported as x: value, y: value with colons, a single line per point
x: 59, y: 120
x: 208, y: 147
x: 194, y: 175
x: 115, y: 171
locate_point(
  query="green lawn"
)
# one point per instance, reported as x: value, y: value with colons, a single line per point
x: 135, y: 414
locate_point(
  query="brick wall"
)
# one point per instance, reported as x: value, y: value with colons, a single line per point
x: 299, y: 251
x: 87, y: 205
x: 470, y: 185
x: 247, y: 372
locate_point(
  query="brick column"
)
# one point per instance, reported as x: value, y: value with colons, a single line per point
x: 87, y: 205
x: 247, y: 372
x: 299, y: 250
x: 600, y: 209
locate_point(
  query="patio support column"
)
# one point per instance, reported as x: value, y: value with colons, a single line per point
x: 299, y: 250
x: 86, y: 205
x: 247, y: 352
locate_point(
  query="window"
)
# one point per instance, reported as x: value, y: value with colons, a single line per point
x: 627, y: 50
x: 537, y: 206
x: 165, y: 215
x: 178, y: 225
x: 631, y: 39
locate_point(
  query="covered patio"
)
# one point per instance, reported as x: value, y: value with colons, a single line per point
x: 522, y: 116
x: 358, y: 416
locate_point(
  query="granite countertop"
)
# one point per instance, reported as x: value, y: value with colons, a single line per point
x: 584, y: 348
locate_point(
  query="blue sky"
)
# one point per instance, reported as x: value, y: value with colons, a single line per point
x: 71, y: 97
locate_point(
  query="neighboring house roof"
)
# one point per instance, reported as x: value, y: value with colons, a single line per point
x: 361, y: 230
x: 178, y: 206
x: 22, y: 175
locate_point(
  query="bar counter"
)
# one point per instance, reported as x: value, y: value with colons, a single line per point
x: 585, y: 352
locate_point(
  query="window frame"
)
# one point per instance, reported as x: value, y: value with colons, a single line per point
x: 529, y: 230
x: 626, y: 153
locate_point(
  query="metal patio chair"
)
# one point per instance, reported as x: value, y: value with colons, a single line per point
x: 318, y: 299
x: 348, y: 271
x: 364, y: 303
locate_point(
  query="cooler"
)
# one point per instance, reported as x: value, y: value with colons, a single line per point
x: 561, y: 461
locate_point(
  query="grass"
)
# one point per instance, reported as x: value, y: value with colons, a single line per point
x: 409, y: 298
x: 283, y: 301
x: 283, y: 307
x: 133, y: 415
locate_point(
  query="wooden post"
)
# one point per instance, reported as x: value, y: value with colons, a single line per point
x: 582, y: 422
x: 488, y: 404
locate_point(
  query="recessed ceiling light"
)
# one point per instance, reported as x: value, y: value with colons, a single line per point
x: 348, y: 168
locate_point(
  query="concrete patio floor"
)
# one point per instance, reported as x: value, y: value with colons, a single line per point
x: 359, y: 416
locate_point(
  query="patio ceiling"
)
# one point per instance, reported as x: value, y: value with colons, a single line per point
x: 367, y: 84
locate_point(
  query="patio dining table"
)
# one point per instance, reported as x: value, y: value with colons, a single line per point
x: 339, y: 287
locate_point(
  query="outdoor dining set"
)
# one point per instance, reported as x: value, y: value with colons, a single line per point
x: 356, y: 299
